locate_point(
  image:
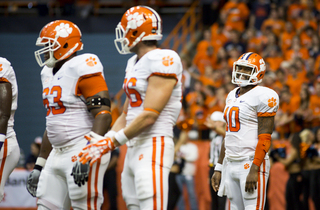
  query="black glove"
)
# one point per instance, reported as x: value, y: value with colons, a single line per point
x: 32, y: 182
x: 80, y: 173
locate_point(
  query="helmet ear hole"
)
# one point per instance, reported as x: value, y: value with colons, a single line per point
x: 65, y: 45
x: 134, y: 33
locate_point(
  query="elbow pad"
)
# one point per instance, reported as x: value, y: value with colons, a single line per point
x: 262, y: 148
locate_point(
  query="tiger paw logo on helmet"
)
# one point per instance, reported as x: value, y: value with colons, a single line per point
x: 272, y: 102
x: 63, y: 30
x: 167, y: 61
x: 135, y: 20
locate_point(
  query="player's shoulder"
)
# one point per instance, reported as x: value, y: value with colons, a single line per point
x: 84, y: 64
x: 265, y: 92
x: 4, y: 65
x: 163, y: 54
x: 86, y: 59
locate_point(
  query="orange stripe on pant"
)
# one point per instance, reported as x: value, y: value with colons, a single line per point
x: 96, y: 193
x: 154, y: 175
x: 154, y: 152
x: 161, y: 172
x: 263, y: 187
x: 5, y: 150
x: 89, y: 189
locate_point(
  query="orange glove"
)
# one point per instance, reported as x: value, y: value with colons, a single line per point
x: 94, y: 151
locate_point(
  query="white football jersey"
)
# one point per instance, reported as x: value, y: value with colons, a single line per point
x: 7, y: 74
x: 156, y: 62
x: 241, y: 114
x: 68, y: 119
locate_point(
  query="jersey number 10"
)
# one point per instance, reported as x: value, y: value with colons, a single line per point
x: 232, y: 118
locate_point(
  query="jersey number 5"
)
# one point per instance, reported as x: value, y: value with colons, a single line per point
x: 232, y: 118
x: 132, y: 94
x: 60, y: 108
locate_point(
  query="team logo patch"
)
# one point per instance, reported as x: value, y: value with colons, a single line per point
x: 167, y: 61
x: 91, y: 61
x: 140, y: 157
x: 246, y: 166
x: 272, y: 102
x: 63, y: 30
x: 1, y: 67
x: 74, y: 158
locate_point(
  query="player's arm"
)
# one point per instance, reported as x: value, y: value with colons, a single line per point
x: 216, y: 177
x: 33, y: 177
x: 157, y: 96
x: 94, y: 89
x: 121, y: 120
x: 265, y: 128
x: 5, y: 109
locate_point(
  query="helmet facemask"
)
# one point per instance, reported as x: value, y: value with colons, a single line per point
x: 244, y: 77
x: 50, y: 45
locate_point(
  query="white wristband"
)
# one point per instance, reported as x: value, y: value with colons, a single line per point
x: 121, y: 137
x: 2, y: 137
x: 218, y: 167
x: 41, y: 161
x: 110, y: 134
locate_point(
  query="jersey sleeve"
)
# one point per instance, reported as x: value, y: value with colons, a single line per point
x: 268, y: 104
x: 5, y: 68
x: 88, y: 64
x: 165, y: 63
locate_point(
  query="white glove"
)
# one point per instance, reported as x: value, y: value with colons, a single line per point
x: 32, y: 182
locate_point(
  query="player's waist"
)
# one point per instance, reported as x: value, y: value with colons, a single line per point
x: 148, y: 141
x: 242, y: 158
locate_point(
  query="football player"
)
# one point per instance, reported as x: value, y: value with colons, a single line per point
x: 9, y: 148
x: 243, y: 165
x: 76, y: 97
x: 153, y: 87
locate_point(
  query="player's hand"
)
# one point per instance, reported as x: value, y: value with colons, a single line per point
x: 80, y: 173
x: 215, y: 180
x: 94, y: 151
x: 32, y: 182
x: 252, y: 179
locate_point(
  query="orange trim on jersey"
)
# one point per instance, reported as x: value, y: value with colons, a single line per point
x: 154, y: 152
x: 103, y: 112
x: 164, y: 75
x: 5, y: 150
x: 89, y: 190
x: 161, y: 172
x: 90, y: 84
x: 2, y: 79
x: 266, y: 114
x: 152, y: 110
x: 96, y: 194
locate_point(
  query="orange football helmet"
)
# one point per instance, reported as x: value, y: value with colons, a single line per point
x: 250, y: 60
x: 60, y: 39
x: 138, y: 24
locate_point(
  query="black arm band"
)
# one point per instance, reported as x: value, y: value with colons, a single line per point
x: 95, y: 102
x: 38, y: 167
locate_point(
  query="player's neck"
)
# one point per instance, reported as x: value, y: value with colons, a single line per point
x: 245, y: 89
x: 144, y: 50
